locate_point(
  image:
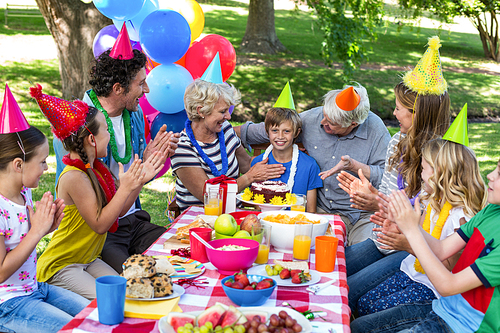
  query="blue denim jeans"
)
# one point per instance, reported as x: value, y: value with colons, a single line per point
x: 394, y: 319
x: 367, y: 267
x: 46, y: 310
x: 433, y: 323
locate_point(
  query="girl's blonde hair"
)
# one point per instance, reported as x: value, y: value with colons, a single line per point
x: 431, y: 119
x: 456, y: 177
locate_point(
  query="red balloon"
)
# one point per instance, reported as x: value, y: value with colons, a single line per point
x: 200, y: 54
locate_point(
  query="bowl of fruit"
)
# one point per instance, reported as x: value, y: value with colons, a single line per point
x: 230, y: 255
x: 238, y: 225
x: 248, y: 290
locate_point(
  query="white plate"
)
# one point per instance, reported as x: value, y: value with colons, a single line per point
x: 165, y: 327
x: 261, y: 270
x: 180, y: 272
x: 263, y: 206
x: 178, y: 291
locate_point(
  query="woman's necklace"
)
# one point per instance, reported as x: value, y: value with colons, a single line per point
x: 205, y: 158
x: 112, y: 140
x: 438, y: 228
x: 293, y: 168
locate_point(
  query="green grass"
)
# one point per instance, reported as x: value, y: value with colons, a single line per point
x: 23, y: 25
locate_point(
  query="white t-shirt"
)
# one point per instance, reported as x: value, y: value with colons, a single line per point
x: 14, y: 225
x: 452, y: 223
x: 119, y: 130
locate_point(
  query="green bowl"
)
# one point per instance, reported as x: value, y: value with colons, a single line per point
x: 257, y: 238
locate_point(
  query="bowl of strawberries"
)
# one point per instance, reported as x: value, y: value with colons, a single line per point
x: 248, y: 289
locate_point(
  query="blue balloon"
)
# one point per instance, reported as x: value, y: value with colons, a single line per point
x: 134, y: 24
x: 174, y: 121
x: 165, y: 35
x: 119, y: 9
x: 167, y: 84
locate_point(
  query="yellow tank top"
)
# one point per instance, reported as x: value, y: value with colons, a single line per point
x: 74, y: 242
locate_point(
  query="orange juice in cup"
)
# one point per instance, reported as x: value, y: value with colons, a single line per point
x: 301, y: 247
x: 302, y: 240
x: 263, y: 255
x: 213, y: 207
x: 300, y: 204
x: 213, y: 202
x: 265, y: 245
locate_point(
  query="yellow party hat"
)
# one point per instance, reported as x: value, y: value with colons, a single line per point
x: 458, y: 129
x: 427, y: 76
x: 286, y: 99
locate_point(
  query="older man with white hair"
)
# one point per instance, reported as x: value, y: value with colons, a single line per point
x: 345, y: 135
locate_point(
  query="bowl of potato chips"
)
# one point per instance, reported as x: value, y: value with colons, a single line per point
x: 283, y: 225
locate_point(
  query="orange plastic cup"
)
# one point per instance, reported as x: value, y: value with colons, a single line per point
x: 325, y: 253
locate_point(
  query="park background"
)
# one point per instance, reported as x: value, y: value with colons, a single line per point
x: 28, y: 55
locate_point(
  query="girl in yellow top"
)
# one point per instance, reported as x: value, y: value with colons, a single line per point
x: 93, y: 201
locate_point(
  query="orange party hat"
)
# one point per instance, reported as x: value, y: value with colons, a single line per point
x: 348, y: 99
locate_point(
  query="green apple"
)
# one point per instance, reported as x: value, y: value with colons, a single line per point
x: 242, y: 234
x: 225, y: 225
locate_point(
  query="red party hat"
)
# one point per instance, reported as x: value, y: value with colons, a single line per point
x: 122, y: 49
x: 65, y: 117
x: 11, y: 117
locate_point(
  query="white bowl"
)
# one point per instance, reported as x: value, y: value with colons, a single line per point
x: 282, y: 234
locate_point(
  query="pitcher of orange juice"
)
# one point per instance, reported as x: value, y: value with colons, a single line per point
x: 213, y: 201
x: 302, y: 240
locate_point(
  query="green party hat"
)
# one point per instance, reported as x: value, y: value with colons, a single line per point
x: 458, y: 129
x: 286, y: 99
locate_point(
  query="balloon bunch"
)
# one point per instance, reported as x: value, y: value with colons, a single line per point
x: 168, y: 33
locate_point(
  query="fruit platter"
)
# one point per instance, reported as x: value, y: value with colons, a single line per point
x: 221, y: 318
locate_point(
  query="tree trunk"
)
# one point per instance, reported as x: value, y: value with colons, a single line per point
x: 73, y: 24
x: 260, y: 35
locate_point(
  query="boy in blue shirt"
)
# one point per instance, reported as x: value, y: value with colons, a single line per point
x: 283, y: 126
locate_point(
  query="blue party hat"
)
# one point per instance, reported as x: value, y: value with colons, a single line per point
x: 213, y: 73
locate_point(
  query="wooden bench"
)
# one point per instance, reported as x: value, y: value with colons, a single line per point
x: 21, y: 11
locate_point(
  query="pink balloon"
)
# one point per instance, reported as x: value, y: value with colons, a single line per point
x: 147, y: 109
x: 165, y: 168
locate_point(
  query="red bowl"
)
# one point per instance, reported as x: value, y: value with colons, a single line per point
x: 239, y: 216
x: 230, y: 262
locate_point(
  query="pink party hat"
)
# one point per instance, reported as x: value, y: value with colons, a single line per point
x: 123, y: 48
x: 11, y: 117
x: 65, y: 117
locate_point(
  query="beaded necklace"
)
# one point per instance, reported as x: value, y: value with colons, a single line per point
x: 205, y: 158
x: 438, y: 228
x: 293, y: 167
x: 112, y: 141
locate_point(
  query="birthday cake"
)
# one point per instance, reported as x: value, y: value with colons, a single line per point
x: 270, y: 189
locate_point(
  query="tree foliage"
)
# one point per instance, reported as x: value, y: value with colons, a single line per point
x: 482, y: 13
x: 345, y: 24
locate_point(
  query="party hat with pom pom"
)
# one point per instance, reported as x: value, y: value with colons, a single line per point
x: 458, y: 129
x: 427, y: 77
x: 122, y: 49
x: 285, y: 100
x: 348, y: 99
x: 12, y: 119
x: 65, y: 117
x: 213, y: 73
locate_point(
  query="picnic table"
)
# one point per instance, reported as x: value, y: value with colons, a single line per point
x: 332, y: 300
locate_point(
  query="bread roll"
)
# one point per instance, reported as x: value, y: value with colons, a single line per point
x: 140, y: 288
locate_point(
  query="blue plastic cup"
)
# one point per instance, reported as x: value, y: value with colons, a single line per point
x: 110, y: 292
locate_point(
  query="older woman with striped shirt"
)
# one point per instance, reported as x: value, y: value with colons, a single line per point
x: 208, y: 146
